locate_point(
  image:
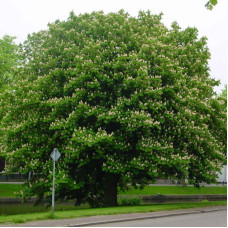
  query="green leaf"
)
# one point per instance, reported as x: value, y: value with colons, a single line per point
x: 213, y: 2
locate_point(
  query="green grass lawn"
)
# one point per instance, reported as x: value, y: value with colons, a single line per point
x: 105, y: 211
x: 175, y: 190
x: 7, y: 190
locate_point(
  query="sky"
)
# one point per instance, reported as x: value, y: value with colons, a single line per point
x: 22, y: 17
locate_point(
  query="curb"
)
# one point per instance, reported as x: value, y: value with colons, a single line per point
x: 146, y: 217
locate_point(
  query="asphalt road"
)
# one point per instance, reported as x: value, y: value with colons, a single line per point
x: 206, y: 219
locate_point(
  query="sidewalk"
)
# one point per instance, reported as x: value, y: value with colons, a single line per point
x: 96, y: 220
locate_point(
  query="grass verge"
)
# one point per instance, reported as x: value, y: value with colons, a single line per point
x: 105, y: 211
x: 175, y: 190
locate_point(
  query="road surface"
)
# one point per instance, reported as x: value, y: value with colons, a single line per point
x: 206, y: 219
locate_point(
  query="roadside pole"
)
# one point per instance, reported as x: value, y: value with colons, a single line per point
x: 53, y: 190
x: 55, y: 155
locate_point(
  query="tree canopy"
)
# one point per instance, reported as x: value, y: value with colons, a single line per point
x: 9, y: 60
x: 124, y: 99
x: 219, y: 117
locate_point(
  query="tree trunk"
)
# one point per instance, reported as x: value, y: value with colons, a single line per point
x: 110, y: 189
x: 183, y: 183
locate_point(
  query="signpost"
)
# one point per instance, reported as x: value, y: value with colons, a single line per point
x: 55, y: 155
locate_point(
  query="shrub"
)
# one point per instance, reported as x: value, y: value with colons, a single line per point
x: 130, y: 201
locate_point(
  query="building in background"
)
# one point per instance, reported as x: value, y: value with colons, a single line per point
x: 222, y: 178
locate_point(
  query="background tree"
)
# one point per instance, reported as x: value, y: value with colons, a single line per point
x: 124, y: 99
x: 9, y: 62
x: 218, y: 114
x: 224, y: 96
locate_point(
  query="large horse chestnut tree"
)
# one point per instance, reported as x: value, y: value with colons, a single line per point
x: 124, y: 99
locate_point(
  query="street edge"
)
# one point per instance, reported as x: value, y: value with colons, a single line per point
x: 146, y: 217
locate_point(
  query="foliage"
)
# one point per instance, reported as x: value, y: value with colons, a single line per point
x: 9, y: 60
x: 123, y: 98
x: 218, y: 114
x: 223, y: 97
x: 130, y: 201
x: 211, y: 3
x: 224, y: 92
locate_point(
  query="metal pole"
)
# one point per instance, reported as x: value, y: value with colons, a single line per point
x: 53, y: 189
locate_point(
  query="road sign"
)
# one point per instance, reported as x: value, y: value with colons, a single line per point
x: 55, y: 155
